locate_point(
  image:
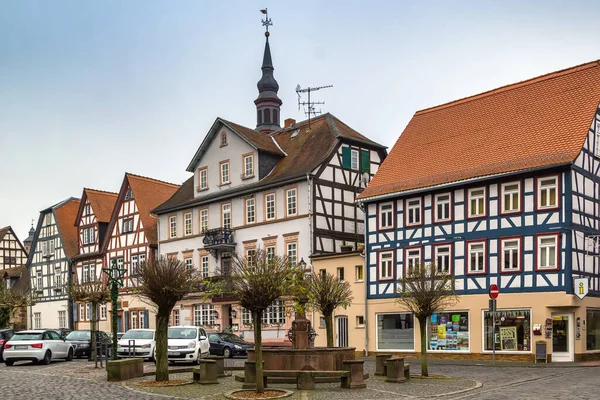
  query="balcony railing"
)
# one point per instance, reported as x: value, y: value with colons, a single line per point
x: 219, y: 239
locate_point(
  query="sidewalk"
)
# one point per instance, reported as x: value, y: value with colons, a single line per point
x: 488, y: 363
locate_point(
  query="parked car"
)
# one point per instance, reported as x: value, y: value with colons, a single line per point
x: 119, y: 335
x: 62, y: 332
x: 82, y: 342
x: 228, y: 345
x: 187, y: 344
x: 144, y: 342
x: 38, y: 346
x: 5, y: 335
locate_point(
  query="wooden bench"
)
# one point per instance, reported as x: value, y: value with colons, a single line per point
x: 305, y: 380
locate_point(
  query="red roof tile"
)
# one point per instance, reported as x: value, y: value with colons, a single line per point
x: 103, y: 203
x: 536, y: 123
x: 66, y: 214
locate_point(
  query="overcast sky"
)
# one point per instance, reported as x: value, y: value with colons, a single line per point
x: 90, y: 90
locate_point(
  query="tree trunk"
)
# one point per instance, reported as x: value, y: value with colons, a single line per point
x: 329, y: 327
x: 423, y: 328
x: 93, y: 329
x: 257, y: 317
x: 162, y: 362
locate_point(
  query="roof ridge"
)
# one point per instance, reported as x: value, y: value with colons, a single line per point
x: 100, y: 191
x: 300, y: 123
x: 151, y: 179
x: 235, y: 123
x: 511, y: 86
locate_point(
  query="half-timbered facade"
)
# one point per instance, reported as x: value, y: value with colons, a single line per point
x: 93, y: 217
x: 289, y: 191
x: 498, y: 188
x: 12, y: 252
x: 50, y: 265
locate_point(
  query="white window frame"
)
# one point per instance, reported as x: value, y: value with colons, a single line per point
x: 205, y: 263
x: 134, y: 319
x: 386, y: 264
x: 270, y: 207
x: 189, y: 263
x: 438, y: 202
x: 203, y: 220
x: 470, y: 268
x: 479, y: 198
x: 58, y: 281
x: 292, y: 247
x: 386, y: 217
x: 548, y: 189
x: 203, y: 178
x: 127, y: 225
x: 187, y: 223
x: 541, y: 246
x: 103, y: 312
x: 341, y: 274
x: 274, y: 314
x: 511, y: 193
x: 62, y: 318
x: 226, y: 210
x: 250, y: 210
x: 40, y: 280
x: 359, y: 273
x: 175, y: 317
x: 413, y: 258
x: 173, y: 226
x: 354, y: 159
x: 204, y: 315
x: 291, y: 202
x: 443, y: 250
x: 507, y: 245
x: 414, y: 207
x: 270, y: 251
x: 248, y: 165
x: 87, y: 210
x: 37, y: 320
x: 225, y: 173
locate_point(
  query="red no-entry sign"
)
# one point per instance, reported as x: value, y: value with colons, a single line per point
x: 494, y: 291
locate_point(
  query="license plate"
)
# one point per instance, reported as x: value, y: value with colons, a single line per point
x: 21, y: 347
x: 174, y: 353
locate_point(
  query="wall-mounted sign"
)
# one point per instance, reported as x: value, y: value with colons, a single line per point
x: 581, y: 287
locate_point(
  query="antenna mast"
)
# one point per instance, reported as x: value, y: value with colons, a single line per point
x: 309, y: 105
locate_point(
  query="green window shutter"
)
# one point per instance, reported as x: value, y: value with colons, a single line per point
x: 365, y: 161
x: 346, y: 162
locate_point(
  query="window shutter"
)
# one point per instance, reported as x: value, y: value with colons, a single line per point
x: 75, y: 309
x: 126, y: 314
x: 119, y: 325
x: 365, y: 161
x: 346, y: 162
x: 146, y: 322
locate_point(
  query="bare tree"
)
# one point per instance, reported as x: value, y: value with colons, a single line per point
x: 256, y: 282
x: 94, y: 293
x: 165, y: 281
x: 12, y: 299
x: 327, y: 293
x: 424, y: 291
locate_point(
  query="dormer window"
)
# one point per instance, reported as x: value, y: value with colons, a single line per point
x: 248, y: 165
x: 225, y: 172
x: 223, y: 137
x: 88, y: 235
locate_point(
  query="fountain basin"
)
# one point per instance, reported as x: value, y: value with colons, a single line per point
x: 318, y: 358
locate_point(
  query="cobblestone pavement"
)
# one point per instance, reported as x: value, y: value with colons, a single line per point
x: 79, y: 380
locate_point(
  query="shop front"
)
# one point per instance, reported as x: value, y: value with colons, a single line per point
x: 511, y: 332
x: 448, y: 331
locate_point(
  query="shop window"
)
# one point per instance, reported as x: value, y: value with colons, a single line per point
x: 513, y: 332
x: 593, y: 330
x: 448, y: 331
x: 395, y: 331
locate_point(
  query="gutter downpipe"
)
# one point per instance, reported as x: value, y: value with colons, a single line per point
x: 310, y: 240
x: 364, y: 255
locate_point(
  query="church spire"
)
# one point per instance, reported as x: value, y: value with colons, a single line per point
x: 268, y: 104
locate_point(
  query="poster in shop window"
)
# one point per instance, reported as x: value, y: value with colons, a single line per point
x: 508, y: 338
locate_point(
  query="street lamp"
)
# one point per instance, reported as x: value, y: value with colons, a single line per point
x: 115, y: 281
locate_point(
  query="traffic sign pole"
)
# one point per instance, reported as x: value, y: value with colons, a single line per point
x: 494, y: 291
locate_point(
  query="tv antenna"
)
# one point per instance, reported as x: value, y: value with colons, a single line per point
x: 309, y: 106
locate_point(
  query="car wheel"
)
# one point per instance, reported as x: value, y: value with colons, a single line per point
x: 47, y: 358
x: 9, y: 363
x: 70, y: 355
x: 227, y: 352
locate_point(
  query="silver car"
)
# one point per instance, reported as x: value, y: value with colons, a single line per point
x: 38, y: 346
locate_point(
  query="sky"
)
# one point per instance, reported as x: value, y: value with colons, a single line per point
x: 90, y: 90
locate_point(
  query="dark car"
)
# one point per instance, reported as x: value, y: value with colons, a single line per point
x: 228, y: 344
x: 5, y: 335
x: 82, y: 342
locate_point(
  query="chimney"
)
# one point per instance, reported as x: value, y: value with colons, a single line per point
x: 289, y: 122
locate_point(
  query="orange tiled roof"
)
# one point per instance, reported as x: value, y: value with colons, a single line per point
x: 536, y: 123
x: 66, y: 214
x: 102, y: 203
x: 148, y: 194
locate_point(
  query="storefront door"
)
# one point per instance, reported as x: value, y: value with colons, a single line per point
x: 562, y: 337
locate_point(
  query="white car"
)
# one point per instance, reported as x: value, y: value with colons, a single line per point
x: 40, y: 346
x: 138, y: 343
x: 187, y: 344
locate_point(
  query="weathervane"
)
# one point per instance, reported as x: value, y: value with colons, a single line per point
x: 266, y: 22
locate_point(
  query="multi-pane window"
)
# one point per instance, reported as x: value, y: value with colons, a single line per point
x: 476, y: 254
x: 442, y: 258
x: 358, y: 272
x: 86, y: 274
x: 203, y: 178
x: 274, y: 314
x: 386, y: 267
x: 413, y: 260
x: 511, y: 260
x: 250, y: 210
x: 354, y: 160
x: 37, y: 320
x: 89, y: 236
x: 134, y: 265
x: 88, y: 311
x: 340, y: 274
x: 204, y: 314
x: 103, y: 312
x: 246, y: 317
x: 134, y: 320
x: 225, y: 172
x: 251, y: 257
x: 175, y: 317
x: 223, y: 139
x: 82, y: 311
x: 189, y: 264
x: 248, y: 166
x: 173, y: 226
x: 87, y: 210
x: 226, y: 215
x: 413, y: 212
x: 290, y: 199
x: 270, y: 206
x: 187, y: 223
x: 476, y: 202
x: 128, y: 225
x: 204, y: 264
x: 442, y: 207
x: 142, y: 319
x: 270, y: 253
x: 90, y: 270
x: 62, y: 319
x: 204, y: 220
x: 40, y: 280
x: 547, y: 252
x: 547, y: 192
x: 292, y: 253
x: 386, y: 220
x: 128, y: 194
x: 511, y: 197
x: 58, y: 277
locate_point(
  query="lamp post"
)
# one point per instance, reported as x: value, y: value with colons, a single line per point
x: 114, y: 280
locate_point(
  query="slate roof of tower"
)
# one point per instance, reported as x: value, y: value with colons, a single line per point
x: 538, y: 123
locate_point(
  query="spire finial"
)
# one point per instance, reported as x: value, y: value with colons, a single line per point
x: 266, y: 22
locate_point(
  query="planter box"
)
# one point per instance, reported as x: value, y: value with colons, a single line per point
x: 122, y: 370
